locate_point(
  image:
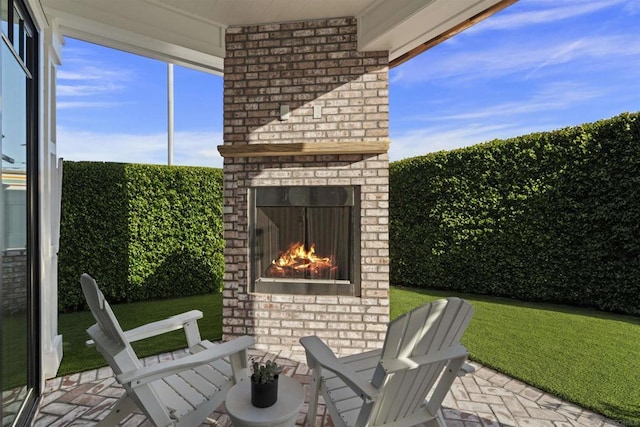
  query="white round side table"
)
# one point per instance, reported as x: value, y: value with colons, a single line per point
x: 283, y: 413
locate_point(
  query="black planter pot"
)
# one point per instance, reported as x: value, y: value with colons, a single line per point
x: 264, y: 395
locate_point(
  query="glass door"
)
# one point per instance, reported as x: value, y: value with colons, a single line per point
x: 18, y: 216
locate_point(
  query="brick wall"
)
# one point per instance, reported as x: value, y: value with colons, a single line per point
x: 14, y: 281
x: 302, y: 65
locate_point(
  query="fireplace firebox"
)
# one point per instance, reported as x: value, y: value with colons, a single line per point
x: 305, y: 240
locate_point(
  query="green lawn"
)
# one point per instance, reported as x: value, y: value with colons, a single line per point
x: 584, y: 356
x: 14, y: 350
x: 73, y: 327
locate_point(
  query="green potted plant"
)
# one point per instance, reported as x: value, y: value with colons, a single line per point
x: 264, y: 383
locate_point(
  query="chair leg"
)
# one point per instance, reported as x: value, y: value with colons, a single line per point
x: 440, y: 419
x: 239, y: 366
x: 313, y: 397
x: 123, y: 407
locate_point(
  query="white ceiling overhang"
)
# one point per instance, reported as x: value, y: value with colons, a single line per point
x: 144, y: 28
x: 402, y: 26
x: 191, y: 32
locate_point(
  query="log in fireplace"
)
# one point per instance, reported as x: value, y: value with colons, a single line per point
x: 305, y: 240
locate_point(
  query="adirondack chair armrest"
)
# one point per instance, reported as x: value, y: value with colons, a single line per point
x: 319, y: 354
x: 160, y: 327
x: 403, y: 363
x: 173, y: 323
x: 148, y: 374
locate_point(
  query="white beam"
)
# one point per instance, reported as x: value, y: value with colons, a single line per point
x: 170, y: 114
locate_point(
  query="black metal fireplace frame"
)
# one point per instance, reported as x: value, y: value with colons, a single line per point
x: 288, y: 195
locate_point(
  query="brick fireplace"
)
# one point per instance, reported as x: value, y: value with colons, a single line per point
x: 305, y: 140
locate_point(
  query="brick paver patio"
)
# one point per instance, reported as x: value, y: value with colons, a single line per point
x: 485, y: 398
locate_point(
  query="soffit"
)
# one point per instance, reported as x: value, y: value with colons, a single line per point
x: 191, y: 32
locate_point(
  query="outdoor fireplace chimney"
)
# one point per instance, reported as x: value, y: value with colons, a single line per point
x: 306, y: 199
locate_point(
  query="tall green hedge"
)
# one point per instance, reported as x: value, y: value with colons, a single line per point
x: 144, y: 231
x: 549, y: 216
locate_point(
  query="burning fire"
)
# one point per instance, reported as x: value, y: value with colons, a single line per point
x: 297, y: 260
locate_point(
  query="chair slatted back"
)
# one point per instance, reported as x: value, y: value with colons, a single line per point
x: 429, y: 329
x: 102, y: 311
x: 116, y: 349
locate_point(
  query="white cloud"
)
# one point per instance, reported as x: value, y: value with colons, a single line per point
x: 87, y: 90
x: 92, y: 72
x: 552, y: 97
x: 564, y: 53
x: 84, y: 76
x: 190, y: 148
x: 396, y: 76
x: 91, y: 80
x: 198, y: 148
x: 632, y: 7
x: 430, y: 139
x: 551, y: 11
x: 525, y: 58
x: 451, y: 126
x: 66, y: 105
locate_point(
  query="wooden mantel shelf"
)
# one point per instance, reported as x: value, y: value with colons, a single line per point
x: 304, y: 149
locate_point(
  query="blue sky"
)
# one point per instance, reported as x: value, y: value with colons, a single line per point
x: 536, y: 66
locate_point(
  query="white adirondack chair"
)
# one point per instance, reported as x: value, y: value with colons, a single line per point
x: 402, y: 384
x: 182, y: 392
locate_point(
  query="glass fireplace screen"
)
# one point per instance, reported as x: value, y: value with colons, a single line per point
x: 303, y: 235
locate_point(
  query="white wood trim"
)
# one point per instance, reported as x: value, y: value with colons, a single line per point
x: 182, y: 12
x: 148, y: 31
x: 51, y: 342
x: 37, y: 14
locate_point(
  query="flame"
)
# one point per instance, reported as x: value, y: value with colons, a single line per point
x: 297, y: 258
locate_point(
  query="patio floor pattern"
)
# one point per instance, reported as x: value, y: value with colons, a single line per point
x: 482, y: 399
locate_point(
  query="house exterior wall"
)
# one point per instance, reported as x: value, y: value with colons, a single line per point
x: 304, y: 65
